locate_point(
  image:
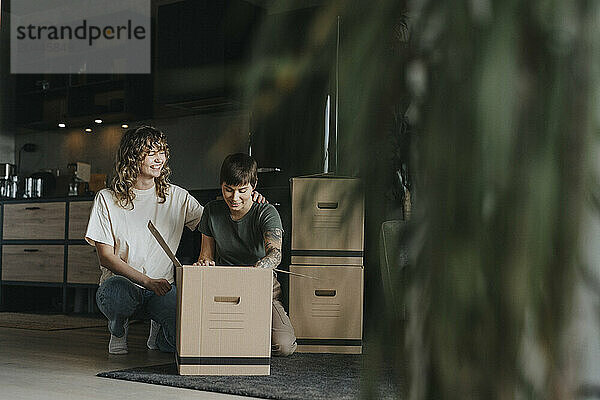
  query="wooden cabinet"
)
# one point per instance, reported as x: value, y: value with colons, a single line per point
x: 43, y: 244
x: 34, y: 221
x: 31, y: 263
x: 83, y: 266
x: 79, y: 213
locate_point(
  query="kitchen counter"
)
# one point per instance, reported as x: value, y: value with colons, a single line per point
x: 47, y: 199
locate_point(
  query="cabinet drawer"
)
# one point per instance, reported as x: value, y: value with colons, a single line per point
x: 34, y: 221
x: 83, y: 266
x: 33, y: 263
x: 79, y: 214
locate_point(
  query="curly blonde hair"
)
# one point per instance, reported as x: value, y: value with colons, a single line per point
x: 135, y: 145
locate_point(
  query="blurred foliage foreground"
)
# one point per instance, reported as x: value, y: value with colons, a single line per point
x: 506, y: 107
x: 503, y: 111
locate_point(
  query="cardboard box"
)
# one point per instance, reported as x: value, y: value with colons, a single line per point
x: 82, y: 171
x: 223, y: 320
x: 327, y: 220
x: 97, y: 182
x: 327, y: 313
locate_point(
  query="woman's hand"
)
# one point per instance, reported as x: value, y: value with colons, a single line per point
x: 207, y: 251
x: 258, y: 198
x: 159, y: 286
x: 205, y: 263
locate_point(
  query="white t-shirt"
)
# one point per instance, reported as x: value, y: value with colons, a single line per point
x: 127, y: 229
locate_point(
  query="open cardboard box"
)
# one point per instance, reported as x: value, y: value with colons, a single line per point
x: 223, y: 320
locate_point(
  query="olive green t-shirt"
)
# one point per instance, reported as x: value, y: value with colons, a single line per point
x: 238, y: 242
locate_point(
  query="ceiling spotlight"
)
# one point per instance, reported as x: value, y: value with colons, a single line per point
x: 88, y: 130
x: 98, y: 121
x: 124, y: 126
x: 61, y: 125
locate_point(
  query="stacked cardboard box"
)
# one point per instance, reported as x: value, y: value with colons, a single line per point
x: 224, y: 320
x: 327, y: 243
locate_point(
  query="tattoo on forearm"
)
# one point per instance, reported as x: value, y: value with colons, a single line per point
x: 273, y: 240
x: 274, y: 236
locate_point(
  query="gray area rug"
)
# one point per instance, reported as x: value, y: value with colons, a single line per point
x: 300, y: 376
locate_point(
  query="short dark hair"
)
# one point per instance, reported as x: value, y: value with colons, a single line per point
x: 239, y: 169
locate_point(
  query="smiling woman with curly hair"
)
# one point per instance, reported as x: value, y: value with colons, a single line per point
x: 135, y: 146
x: 137, y: 277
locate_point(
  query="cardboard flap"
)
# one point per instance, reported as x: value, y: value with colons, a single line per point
x: 163, y: 244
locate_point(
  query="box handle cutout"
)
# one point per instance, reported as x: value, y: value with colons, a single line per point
x: 227, y: 299
x: 31, y: 250
x: 32, y: 208
x: 325, y: 292
x: 327, y: 205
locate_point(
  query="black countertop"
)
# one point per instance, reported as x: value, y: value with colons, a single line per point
x: 47, y: 199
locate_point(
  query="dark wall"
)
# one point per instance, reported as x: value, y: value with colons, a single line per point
x: 287, y: 91
x: 198, y: 145
x: 202, y: 47
x: 6, y: 90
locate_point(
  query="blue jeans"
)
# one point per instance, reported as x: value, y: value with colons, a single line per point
x: 120, y: 300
